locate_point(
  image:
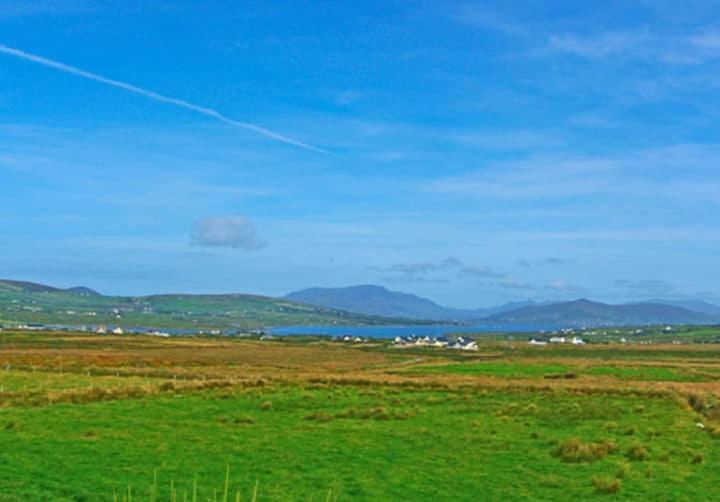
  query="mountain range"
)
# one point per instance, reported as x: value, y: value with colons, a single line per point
x: 584, y: 312
x: 28, y: 302
x: 377, y: 300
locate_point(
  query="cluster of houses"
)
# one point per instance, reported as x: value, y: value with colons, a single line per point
x: 461, y: 343
x: 576, y: 340
x: 350, y: 339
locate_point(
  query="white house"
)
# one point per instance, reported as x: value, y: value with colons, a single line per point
x: 118, y: 331
x: 577, y: 341
x: 470, y: 346
x: 536, y: 342
x: 558, y: 339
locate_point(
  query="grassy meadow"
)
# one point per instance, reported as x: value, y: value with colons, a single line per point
x: 140, y: 418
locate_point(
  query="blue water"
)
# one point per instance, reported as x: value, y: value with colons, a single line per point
x: 393, y: 331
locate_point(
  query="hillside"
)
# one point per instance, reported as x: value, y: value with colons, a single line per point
x: 586, y: 312
x: 25, y: 302
x: 693, y: 305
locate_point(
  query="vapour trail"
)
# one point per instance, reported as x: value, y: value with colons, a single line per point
x: 157, y: 97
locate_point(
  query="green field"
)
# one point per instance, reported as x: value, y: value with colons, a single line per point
x: 114, y: 418
x: 549, y: 371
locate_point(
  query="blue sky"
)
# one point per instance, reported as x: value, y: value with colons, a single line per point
x: 471, y: 152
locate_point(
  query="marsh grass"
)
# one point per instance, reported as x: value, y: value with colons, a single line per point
x: 156, y: 493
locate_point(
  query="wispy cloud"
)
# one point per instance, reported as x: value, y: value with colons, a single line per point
x: 599, y: 45
x: 556, y: 176
x: 564, y: 287
x: 688, y: 48
x: 511, y: 140
x: 481, y: 272
x: 13, y: 9
x: 550, y: 260
x: 413, y: 279
x: 514, y: 283
x: 420, y: 268
x: 483, y: 17
x: 348, y: 97
x: 645, y: 287
x: 707, y: 40
x: 209, y: 112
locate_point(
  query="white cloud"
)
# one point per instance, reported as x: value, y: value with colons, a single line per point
x: 235, y: 232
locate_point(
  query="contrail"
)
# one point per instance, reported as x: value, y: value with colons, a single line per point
x: 157, y: 97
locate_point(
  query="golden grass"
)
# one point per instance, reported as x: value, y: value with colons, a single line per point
x: 117, y: 367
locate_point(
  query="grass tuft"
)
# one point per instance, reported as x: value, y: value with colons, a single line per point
x: 606, y: 484
x: 637, y: 452
x: 574, y: 450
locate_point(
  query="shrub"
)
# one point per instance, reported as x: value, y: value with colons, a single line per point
x: 606, y: 484
x: 575, y: 451
x: 267, y: 405
x: 637, y: 452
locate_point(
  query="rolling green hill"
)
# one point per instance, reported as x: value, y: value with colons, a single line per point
x: 26, y: 302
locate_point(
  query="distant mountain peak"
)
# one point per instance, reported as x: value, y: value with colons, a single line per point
x: 372, y: 299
